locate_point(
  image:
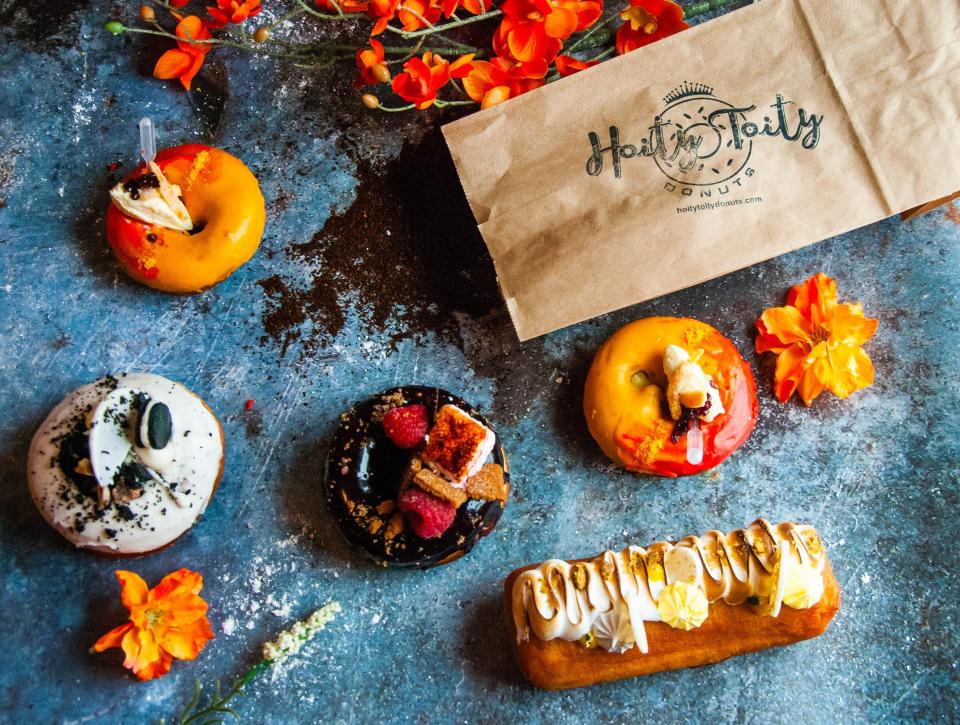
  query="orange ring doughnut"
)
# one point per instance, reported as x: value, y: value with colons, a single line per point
x: 227, y: 208
x: 632, y: 425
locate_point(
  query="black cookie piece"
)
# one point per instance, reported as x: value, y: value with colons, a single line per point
x: 362, y: 479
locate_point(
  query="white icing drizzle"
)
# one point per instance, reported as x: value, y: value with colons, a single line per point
x: 565, y: 600
x: 184, y: 472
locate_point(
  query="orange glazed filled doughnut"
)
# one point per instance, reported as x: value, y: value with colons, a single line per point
x: 188, y: 220
x: 669, y: 396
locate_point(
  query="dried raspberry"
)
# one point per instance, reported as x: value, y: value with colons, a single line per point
x: 406, y: 426
x: 427, y: 515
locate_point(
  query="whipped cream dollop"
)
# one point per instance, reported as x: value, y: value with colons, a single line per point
x: 126, y: 464
x: 151, y: 198
x: 688, y: 385
x: 761, y: 565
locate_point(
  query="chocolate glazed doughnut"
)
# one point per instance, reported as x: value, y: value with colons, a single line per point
x: 364, y: 473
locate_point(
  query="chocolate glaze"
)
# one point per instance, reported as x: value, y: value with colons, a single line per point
x: 364, y: 467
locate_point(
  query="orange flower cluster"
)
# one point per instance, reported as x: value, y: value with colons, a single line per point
x: 423, y: 77
x: 231, y: 11
x: 526, y: 44
x: 166, y: 622
x: 817, y: 342
x: 535, y: 41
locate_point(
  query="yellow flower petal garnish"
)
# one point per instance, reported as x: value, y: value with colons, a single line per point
x: 803, y: 587
x: 683, y: 606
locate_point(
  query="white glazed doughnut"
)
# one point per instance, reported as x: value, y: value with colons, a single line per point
x: 126, y: 464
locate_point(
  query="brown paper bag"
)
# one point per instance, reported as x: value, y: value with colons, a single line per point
x: 752, y: 135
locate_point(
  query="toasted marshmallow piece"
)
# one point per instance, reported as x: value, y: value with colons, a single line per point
x: 160, y: 206
x: 688, y: 385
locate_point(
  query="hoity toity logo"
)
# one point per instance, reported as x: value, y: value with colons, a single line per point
x: 701, y: 142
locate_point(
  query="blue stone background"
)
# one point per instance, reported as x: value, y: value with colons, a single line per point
x: 370, y: 238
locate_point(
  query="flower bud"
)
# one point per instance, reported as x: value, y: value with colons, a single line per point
x: 381, y: 73
x: 114, y: 27
x: 370, y: 101
x: 261, y: 34
x: 146, y: 14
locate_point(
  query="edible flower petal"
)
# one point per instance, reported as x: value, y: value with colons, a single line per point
x: 534, y: 30
x: 184, y: 61
x: 370, y: 63
x: 492, y: 82
x: 646, y: 21
x: 817, y: 342
x: 231, y: 11
x: 421, y: 79
x: 567, y: 65
x: 167, y: 622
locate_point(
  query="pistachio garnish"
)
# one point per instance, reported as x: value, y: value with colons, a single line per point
x: 579, y: 576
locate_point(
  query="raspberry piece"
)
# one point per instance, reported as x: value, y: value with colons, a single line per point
x: 427, y: 515
x: 406, y: 426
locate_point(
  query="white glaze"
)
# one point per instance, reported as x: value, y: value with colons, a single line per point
x: 159, y: 515
x: 559, y: 599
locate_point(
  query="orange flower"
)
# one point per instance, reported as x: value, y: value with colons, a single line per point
x: 167, y: 621
x: 474, y: 7
x: 817, y: 342
x: 416, y: 14
x: 493, y: 82
x: 647, y: 21
x: 568, y: 65
x: 382, y: 11
x: 422, y: 78
x: 371, y: 65
x: 346, y: 6
x: 536, y: 29
x: 184, y: 61
x: 412, y: 14
x: 231, y: 11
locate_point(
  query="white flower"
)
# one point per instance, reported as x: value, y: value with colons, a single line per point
x: 291, y: 641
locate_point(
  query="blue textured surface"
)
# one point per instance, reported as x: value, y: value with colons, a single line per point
x: 876, y: 474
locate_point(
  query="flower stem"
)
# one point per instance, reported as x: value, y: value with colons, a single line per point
x: 289, y: 16
x: 704, y: 6
x: 572, y: 48
x: 324, y: 16
x: 219, y: 705
x: 407, y: 35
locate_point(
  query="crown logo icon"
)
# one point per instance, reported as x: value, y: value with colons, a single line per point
x: 686, y: 90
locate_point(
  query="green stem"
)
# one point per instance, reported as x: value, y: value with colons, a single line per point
x: 572, y: 48
x: 397, y: 109
x: 407, y: 35
x: 284, y: 18
x: 219, y: 704
x: 326, y: 16
x: 704, y: 6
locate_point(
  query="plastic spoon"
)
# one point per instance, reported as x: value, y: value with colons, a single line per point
x: 694, y: 443
x: 148, y: 139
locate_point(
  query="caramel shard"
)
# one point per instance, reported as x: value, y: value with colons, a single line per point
x: 439, y: 487
x: 487, y: 484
